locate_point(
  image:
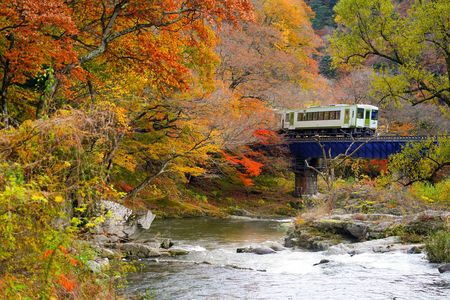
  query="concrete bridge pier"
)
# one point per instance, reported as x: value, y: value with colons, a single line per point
x: 305, y: 178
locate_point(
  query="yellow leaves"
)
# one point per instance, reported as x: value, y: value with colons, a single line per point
x: 95, y: 221
x: 125, y: 160
x: 38, y: 197
x: 59, y: 199
x: 192, y: 170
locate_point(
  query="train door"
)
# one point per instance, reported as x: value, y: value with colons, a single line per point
x: 347, y: 117
x: 367, y: 118
x: 352, y: 118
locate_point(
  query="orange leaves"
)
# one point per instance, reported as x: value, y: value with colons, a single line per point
x: 35, y: 33
x: 63, y: 250
x: 246, y: 167
x: 155, y: 37
x: 48, y: 253
x: 252, y: 168
x: 65, y: 253
x: 245, y: 179
x: 67, y: 283
x: 73, y: 261
x: 266, y: 136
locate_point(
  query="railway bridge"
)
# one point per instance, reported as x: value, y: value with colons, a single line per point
x: 307, y: 152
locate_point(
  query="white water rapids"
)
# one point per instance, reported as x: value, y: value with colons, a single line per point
x: 287, y: 274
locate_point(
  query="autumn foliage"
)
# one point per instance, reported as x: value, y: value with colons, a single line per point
x: 110, y: 99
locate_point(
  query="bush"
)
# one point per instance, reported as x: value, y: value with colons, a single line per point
x: 429, y: 193
x: 438, y: 247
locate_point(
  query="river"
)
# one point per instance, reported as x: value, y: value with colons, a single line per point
x: 287, y: 274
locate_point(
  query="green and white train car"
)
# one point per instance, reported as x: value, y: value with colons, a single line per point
x: 331, y: 120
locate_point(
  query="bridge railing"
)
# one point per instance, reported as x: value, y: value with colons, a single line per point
x: 381, y: 138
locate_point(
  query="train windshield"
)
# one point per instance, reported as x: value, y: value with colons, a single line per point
x: 374, y: 114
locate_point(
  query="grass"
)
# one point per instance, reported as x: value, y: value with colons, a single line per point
x: 438, y: 247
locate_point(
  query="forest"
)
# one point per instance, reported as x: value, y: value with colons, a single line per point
x: 174, y: 106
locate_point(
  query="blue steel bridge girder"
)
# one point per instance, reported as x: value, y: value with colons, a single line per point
x: 371, y: 148
x: 310, y: 149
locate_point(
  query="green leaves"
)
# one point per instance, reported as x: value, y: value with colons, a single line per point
x: 412, y: 42
x: 420, y: 161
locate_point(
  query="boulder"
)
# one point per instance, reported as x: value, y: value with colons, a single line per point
x: 274, y: 246
x: 166, y: 244
x: 346, y: 227
x: 236, y: 211
x: 388, y: 244
x: 176, y: 252
x: 321, y: 233
x: 322, y: 261
x: 122, y: 223
x: 98, y: 265
x: 311, y: 239
x: 261, y: 250
x: 137, y: 250
x: 358, y: 230
x: 444, y: 268
x: 107, y: 253
x: 415, y: 249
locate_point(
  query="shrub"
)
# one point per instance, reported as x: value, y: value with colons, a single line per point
x: 437, y: 193
x: 438, y: 247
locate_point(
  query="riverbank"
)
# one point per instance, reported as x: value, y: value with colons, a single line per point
x: 269, y: 196
x: 362, y: 212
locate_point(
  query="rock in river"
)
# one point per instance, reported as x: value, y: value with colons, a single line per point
x: 257, y: 250
x: 137, y: 250
x: 444, y: 268
x: 166, y: 244
x: 176, y: 252
x: 274, y: 246
x: 322, y: 261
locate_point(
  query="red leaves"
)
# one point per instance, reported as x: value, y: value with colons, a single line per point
x: 252, y: 168
x: 380, y: 165
x: 245, y: 179
x: 266, y: 137
x: 246, y: 166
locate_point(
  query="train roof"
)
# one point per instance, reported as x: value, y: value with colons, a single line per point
x: 335, y: 105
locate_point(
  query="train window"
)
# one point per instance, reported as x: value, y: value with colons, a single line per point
x: 315, y: 116
x: 360, y: 113
x: 300, y: 117
x: 338, y: 115
x: 374, y: 114
x: 286, y: 118
x: 332, y: 115
x: 321, y: 115
x: 326, y: 115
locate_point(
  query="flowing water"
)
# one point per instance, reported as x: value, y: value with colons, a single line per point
x: 287, y: 274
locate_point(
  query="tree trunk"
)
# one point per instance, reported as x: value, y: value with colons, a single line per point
x: 5, y: 84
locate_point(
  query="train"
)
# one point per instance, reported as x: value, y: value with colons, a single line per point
x: 356, y: 120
